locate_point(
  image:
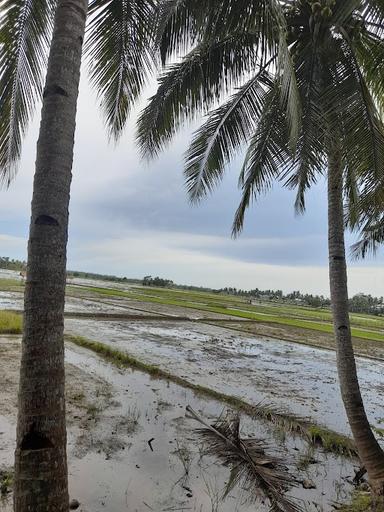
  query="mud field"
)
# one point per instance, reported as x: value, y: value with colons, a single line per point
x: 131, y: 445
x: 112, y: 414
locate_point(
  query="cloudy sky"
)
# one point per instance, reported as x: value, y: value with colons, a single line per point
x: 132, y: 218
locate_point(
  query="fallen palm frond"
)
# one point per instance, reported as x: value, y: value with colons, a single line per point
x: 265, y: 477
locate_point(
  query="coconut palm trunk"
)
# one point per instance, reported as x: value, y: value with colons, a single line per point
x: 40, y: 457
x: 371, y: 455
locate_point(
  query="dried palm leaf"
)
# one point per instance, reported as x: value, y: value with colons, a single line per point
x: 265, y: 477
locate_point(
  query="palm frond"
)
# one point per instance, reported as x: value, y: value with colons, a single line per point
x: 363, y: 127
x: 308, y: 160
x: 352, y: 194
x: 227, y: 128
x: 25, y: 30
x: 193, y: 86
x: 181, y: 24
x: 369, y: 52
x: 120, y: 55
x: 289, y: 91
x: 373, y: 15
x: 264, y: 476
x: 266, y: 156
x: 372, y: 236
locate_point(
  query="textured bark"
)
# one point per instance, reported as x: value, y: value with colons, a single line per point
x: 41, y: 482
x: 371, y: 455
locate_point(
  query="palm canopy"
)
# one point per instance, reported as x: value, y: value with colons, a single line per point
x: 119, y: 56
x: 330, y: 88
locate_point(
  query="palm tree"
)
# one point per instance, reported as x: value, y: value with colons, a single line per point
x: 320, y: 119
x: 119, y: 58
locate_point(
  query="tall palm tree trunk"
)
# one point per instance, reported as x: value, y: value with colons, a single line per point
x: 371, y: 455
x: 41, y: 482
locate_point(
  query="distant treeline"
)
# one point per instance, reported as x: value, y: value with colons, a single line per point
x: 316, y: 301
x: 157, y: 281
x: 360, y: 303
x: 10, y: 264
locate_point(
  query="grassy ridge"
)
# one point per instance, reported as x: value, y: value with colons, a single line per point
x: 278, y: 317
x: 10, y: 323
x: 11, y: 285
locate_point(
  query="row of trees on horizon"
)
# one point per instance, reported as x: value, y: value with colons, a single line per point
x: 359, y: 303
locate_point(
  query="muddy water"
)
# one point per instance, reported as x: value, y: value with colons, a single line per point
x: 11, y: 300
x: 121, y: 472
x: 112, y: 467
x: 275, y: 371
x: 15, y: 300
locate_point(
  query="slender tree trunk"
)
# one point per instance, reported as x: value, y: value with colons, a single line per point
x: 41, y: 482
x: 371, y: 455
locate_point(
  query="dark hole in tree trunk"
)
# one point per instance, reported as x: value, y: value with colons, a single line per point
x: 46, y: 220
x: 338, y: 258
x: 343, y: 328
x: 54, y: 89
x: 35, y: 441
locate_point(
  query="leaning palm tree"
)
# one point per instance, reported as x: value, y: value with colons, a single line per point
x: 329, y: 125
x: 38, y: 36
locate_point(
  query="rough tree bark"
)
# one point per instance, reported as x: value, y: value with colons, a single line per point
x: 370, y: 453
x: 41, y: 482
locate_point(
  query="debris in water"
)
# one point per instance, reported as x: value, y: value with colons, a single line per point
x: 308, y: 484
x: 263, y: 475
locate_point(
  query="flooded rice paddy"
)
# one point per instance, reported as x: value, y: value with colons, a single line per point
x: 113, y: 466
x: 131, y: 445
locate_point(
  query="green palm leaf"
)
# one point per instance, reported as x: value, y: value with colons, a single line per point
x: 266, y: 157
x: 25, y: 30
x: 119, y: 54
x: 193, y: 85
x: 371, y: 239
x: 308, y: 159
x: 227, y: 128
x: 363, y: 127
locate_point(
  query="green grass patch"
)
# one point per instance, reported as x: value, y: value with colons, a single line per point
x: 363, y: 502
x: 10, y: 323
x: 10, y: 285
x: 284, y: 422
x: 331, y: 441
x: 6, y: 482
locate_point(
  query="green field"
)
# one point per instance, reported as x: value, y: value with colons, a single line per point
x: 363, y: 326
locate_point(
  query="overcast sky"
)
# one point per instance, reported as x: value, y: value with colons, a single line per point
x: 132, y: 218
